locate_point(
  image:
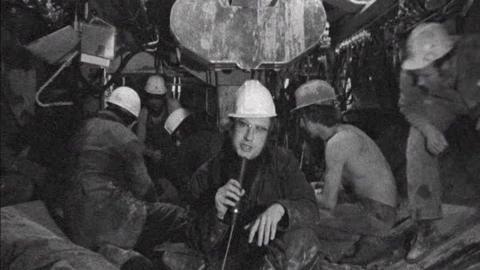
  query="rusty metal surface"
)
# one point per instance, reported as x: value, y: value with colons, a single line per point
x: 224, y: 34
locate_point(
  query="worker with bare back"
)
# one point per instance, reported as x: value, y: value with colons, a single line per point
x: 359, y: 196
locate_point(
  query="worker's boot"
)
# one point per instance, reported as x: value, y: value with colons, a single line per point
x: 427, y: 238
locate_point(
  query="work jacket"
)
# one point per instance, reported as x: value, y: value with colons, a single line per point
x: 105, y: 201
x: 464, y: 98
x: 273, y: 177
x: 155, y: 137
x: 193, y: 151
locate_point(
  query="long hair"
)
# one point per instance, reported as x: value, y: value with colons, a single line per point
x: 324, y: 114
x: 443, y: 64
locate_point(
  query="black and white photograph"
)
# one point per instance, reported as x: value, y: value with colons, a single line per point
x: 240, y: 135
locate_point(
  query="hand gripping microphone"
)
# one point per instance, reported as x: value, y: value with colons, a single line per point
x: 235, y: 212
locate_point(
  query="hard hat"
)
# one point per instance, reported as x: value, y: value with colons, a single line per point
x: 126, y: 98
x: 427, y: 43
x: 253, y: 101
x: 156, y: 85
x: 314, y: 92
x: 175, y: 119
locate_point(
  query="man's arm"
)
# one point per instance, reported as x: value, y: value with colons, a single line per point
x: 411, y: 102
x: 338, y: 150
x: 299, y: 202
x: 468, y: 67
x: 208, y: 230
x: 296, y: 209
x: 412, y: 107
x: 136, y: 172
x: 142, y: 125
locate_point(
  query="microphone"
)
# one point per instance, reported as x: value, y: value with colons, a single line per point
x: 235, y: 212
x: 236, y: 209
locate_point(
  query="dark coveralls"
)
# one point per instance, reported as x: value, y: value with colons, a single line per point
x: 193, y: 151
x: 157, y: 138
x: 151, y: 132
x: 273, y: 177
x: 106, y: 202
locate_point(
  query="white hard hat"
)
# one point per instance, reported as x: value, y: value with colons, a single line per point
x: 314, y: 92
x: 126, y: 98
x: 253, y: 101
x: 427, y: 43
x: 156, y: 85
x: 175, y: 119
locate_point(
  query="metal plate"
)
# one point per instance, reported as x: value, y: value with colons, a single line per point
x: 248, y: 37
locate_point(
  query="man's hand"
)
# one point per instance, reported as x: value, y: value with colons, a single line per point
x: 317, y: 188
x: 155, y: 155
x: 266, y: 225
x: 436, y: 142
x: 228, y: 195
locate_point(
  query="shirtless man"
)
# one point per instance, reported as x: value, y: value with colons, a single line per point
x: 353, y: 162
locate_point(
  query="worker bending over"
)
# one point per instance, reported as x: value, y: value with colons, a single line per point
x: 440, y: 81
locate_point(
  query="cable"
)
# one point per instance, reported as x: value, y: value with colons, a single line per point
x: 235, y: 213
x: 67, y: 62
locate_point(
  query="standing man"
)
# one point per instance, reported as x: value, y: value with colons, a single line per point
x: 276, y: 203
x: 439, y: 82
x: 353, y: 162
x: 111, y: 203
x: 150, y: 131
x: 159, y: 146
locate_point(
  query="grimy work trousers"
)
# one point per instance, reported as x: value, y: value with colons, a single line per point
x: 423, y: 176
x: 293, y: 250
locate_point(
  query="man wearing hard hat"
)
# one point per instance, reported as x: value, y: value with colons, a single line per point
x: 152, y: 118
x: 438, y: 83
x: 158, y: 144
x: 353, y: 162
x: 195, y: 141
x: 110, y: 192
x: 276, y: 204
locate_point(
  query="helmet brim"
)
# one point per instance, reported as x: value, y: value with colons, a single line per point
x: 302, y: 106
x: 324, y: 102
x: 415, y: 63
x: 239, y: 115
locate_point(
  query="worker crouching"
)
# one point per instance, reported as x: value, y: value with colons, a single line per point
x: 111, y: 204
x: 276, y: 204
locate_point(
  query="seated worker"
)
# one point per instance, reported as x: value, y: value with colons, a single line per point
x: 195, y: 144
x: 159, y: 146
x: 276, y: 202
x: 111, y: 201
x: 353, y: 162
x: 440, y: 81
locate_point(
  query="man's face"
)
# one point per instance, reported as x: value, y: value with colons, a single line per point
x: 314, y: 130
x: 156, y: 103
x: 250, y: 136
x: 429, y: 78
